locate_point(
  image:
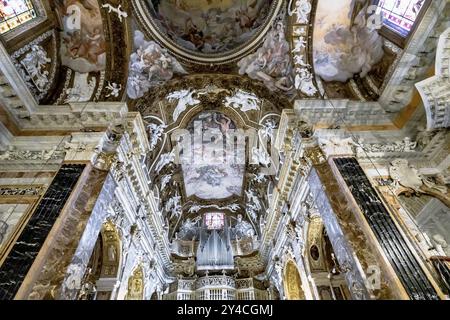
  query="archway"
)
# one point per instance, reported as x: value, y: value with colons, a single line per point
x: 104, y: 265
x: 292, y: 282
x: 324, y: 270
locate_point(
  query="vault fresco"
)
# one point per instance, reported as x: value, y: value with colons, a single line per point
x: 83, y: 45
x: 208, y: 171
x: 341, y: 49
x: 209, y: 26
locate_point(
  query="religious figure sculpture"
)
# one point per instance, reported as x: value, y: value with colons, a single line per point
x: 155, y: 134
x: 112, y: 252
x: 243, y: 229
x: 164, y: 160
x: 34, y: 63
x: 185, y: 99
x: 243, y: 101
x: 271, y: 64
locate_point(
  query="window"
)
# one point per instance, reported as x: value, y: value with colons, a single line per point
x: 400, y: 15
x: 14, y: 13
x: 214, y: 221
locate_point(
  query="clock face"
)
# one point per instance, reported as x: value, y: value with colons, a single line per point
x: 214, y: 220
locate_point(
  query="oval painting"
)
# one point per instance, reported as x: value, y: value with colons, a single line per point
x: 209, y: 26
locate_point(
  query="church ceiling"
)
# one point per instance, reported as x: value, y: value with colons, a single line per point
x: 209, y: 64
x: 203, y: 179
x: 115, y: 50
x: 211, y: 177
x: 208, y: 28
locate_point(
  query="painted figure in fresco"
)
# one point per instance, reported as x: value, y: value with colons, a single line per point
x: 150, y: 65
x: 83, y: 44
x: 271, y: 63
x: 224, y: 123
x: 208, y: 26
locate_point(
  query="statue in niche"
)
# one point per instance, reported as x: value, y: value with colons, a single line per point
x: 112, y: 252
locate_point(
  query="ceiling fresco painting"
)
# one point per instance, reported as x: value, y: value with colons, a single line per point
x: 214, y: 145
x: 341, y: 49
x: 150, y: 65
x: 209, y: 173
x: 208, y: 26
x: 271, y: 63
x: 83, y: 44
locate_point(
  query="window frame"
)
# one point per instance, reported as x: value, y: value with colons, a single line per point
x: 213, y: 214
x: 397, y: 38
x: 41, y: 16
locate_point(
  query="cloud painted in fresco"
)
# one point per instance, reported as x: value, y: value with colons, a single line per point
x: 340, y: 52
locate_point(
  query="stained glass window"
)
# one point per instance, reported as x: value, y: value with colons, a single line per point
x: 214, y: 220
x: 14, y: 13
x: 400, y: 15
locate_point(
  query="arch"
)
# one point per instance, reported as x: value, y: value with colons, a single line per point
x: 315, y: 245
x: 292, y: 282
x: 104, y: 265
x: 135, y: 290
x: 324, y: 271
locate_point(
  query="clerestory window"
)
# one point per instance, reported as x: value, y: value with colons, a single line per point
x: 15, y: 13
x: 400, y: 18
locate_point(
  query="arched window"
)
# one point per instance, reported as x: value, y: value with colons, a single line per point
x: 400, y: 18
x: 14, y: 13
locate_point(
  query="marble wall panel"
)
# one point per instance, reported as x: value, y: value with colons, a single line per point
x: 21, y: 257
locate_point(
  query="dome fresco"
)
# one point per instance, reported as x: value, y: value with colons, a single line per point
x: 209, y: 26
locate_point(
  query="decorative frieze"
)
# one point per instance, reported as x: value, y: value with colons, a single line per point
x: 14, y: 154
x: 21, y: 190
x: 435, y: 91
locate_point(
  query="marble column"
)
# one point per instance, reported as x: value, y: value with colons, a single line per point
x: 356, y: 249
x: 61, y: 264
x: 24, y: 255
x: 45, y: 277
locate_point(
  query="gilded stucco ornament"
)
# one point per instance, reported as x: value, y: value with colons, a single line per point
x: 408, y: 179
